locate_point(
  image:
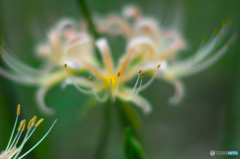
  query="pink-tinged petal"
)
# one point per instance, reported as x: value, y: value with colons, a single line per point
x: 56, y: 46
x: 94, y: 70
x: 140, y: 48
x: 131, y: 11
x: 114, y: 24
x: 44, y: 50
x: 106, y: 56
x: 147, y: 26
x: 7, y: 155
x: 170, y: 43
x: 80, y: 47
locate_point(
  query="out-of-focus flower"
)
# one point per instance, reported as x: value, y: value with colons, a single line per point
x: 112, y: 79
x: 13, y: 148
x: 66, y: 42
x: 164, y: 44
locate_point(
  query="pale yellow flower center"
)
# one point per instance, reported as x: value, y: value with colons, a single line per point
x: 108, y: 79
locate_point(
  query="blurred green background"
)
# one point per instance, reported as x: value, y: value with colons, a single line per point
x: 207, y: 119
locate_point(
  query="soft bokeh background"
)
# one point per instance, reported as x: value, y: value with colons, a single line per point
x: 207, y: 119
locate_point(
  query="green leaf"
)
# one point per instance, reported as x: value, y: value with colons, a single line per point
x: 133, y: 149
x: 128, y: 115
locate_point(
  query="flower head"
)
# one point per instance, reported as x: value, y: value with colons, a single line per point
x: 14, y: 147
x: 112, y: 79
x: 164, y: 44
x: 66, y: 42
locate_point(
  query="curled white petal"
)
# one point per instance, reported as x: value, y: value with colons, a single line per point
x: 138, y: 100
x: 179, y: 92
x: 40, y: 97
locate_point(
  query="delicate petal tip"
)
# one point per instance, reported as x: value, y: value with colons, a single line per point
x: 40, y: 97
x: 179, y: 93
x: 131, y: 11
x: 139, y: 101
x: 143, y: 40
x: 103, y: 46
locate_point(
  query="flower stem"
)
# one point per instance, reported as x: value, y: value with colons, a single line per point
x: 91, y: 26
x: 101, y: 147
x: 128, y: 115
x: 85, y: 11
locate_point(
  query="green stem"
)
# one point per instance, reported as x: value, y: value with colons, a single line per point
x: 91, y: 26
x: 128, y: 115
x: 85, y: 11
x: 102, y: 145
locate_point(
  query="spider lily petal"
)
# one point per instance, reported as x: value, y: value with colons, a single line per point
x: 13, y: 148
x: 66, y: 43
x: 160, y: 45
x: 110, y: 81
x: 138, y: 100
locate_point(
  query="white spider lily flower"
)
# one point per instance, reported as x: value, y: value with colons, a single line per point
x: 14, y: 146
x: 111, y: 80
x: 66, y: 42
x: 144, y: 31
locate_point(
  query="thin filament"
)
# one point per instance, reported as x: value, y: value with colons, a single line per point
x: 80, y: 89
x: 95, y: 93
x: 38, y: 141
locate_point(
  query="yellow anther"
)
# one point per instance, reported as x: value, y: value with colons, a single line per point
x: 34, y: 119
x: 227, y: 44
x: 39, y: 122
x: 32, y: 122
x: 21, y: 125
x: 111, y: 80
x: 223, y: 23
x: 90, y: 78
x: 119, y: 74
x: 204, y: 38
x: 158, y: 65
x: 216, y: 31
x: 65, y: 65
x: 24, y: 125
x: 139, y: 71
x: 141, y: 77
x: 18, y: 109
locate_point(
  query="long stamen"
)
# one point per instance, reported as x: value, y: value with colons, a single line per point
x: 20, y: 128
x: 95, y: 93
x: 39, y: 140
x: 80, y: 89
x: 139, y: 72
x: 151, y: 80
x: 18, y: 113
x: 113, y: 99
x: 29, y: 127
x: 140, y: 85
x: 118, y: 83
